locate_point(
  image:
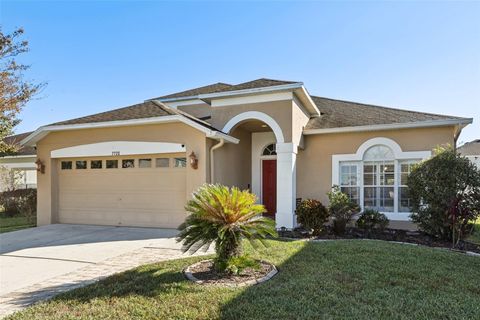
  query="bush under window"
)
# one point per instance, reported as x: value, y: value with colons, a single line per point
x: 371, y: 219
x: 341, y: 208
x: 312, y: 215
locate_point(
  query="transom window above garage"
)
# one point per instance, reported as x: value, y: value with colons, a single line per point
x: 145, y: 163
x: 66, y: 165
x: 96, y: 164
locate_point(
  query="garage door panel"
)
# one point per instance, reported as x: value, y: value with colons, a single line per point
x: 130, y: 197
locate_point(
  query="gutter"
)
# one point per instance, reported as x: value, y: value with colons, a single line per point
x: 376, y: 127
x: 43, y: 131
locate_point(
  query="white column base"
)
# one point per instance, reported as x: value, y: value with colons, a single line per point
x: 286, y: 185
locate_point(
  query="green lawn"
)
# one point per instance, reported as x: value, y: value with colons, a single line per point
x: 8, y: 224
x: 475, y: 237
x: 350, y: 279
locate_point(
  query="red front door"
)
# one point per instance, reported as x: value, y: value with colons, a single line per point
x: 269, y: 186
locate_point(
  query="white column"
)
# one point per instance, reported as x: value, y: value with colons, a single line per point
x: 286, y: 185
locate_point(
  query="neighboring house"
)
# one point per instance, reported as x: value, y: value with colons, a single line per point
x: 471, y: 150
x: 137, y: 166
x: 20, y: 166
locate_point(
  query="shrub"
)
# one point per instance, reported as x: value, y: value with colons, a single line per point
x: 341, y: 209
x: 224, y: 216
x: 236, y: 265
x: 371, y: 219
x: 19, y: 202
x: 27, y: 205
x: 312, y: 214
x: 445, y: 194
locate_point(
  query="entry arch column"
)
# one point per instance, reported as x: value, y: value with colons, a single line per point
x: 286, y: 184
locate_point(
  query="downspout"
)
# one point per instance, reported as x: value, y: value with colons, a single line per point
x: 455, y: 137
x: 212, y: 161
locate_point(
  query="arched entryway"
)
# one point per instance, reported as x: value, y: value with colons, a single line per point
x: 272, y: 163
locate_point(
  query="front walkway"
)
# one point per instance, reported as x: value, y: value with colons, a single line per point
x: 37, y: 264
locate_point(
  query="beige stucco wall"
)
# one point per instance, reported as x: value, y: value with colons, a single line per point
x: 193, y: 140
x: 233, y: 161
x: 280, y: 111
x: 314, y: 163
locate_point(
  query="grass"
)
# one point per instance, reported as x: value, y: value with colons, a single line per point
x: 349, y: 279
x: 8, y: 224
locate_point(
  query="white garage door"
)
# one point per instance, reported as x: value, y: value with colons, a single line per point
x: 143, y: 191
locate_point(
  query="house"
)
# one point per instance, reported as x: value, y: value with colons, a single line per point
x: 137, y: 166
x: 471, y: 150
x: 18, y: 169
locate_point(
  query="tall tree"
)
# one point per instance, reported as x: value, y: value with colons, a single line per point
x: 15, y: 90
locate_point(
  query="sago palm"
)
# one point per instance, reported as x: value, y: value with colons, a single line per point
x: 224, y: 216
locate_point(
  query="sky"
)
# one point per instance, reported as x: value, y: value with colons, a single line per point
x: 100, y: 55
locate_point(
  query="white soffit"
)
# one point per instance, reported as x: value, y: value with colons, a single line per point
x: 259, y: 98
x: 110, y: 148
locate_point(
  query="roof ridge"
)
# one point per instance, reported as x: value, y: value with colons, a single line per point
x: 388, y: 108
x: 267, y: 79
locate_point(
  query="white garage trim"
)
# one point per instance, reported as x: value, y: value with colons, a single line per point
x: 117, y: 148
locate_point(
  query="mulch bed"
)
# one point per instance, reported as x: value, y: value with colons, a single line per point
x: 206, y: 273
x: 414, y: 237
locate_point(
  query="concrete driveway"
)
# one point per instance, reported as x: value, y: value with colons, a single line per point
x: 37, y: 263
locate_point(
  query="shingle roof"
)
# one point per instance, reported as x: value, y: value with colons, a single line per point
x: 339, y: 114
x: 334, y: 113
x: 15, y: 140
x: 471, y: 148
x: 224, y: 87
x: 259, y: 83
x: 147, y: 109
x: 211, y: 88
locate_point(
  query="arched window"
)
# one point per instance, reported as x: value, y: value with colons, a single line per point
x: 378, y: 152
x: 375, y: 176
x: 270, y: 150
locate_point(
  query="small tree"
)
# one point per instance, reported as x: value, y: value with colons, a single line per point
x: 445, y: 194
x: 15, y: 91
x: 341, y: 209
x: 312, y: 215
x: 224, y: 216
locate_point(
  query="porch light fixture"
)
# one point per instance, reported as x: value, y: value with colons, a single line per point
x: 193, y: 160
x: 40, y: 166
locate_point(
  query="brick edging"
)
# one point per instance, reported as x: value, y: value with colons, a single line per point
x: 189, y: 275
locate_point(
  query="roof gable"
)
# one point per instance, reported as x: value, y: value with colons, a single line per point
x: 224, y: 87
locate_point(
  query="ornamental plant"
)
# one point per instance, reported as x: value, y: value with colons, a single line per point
x: 312, y: 215
x: 224, y: 216
x: 341, y: 209
x: 445, y: 194
x: 371, y: 219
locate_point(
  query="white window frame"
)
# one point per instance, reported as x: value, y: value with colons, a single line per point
x: 399, y: 156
